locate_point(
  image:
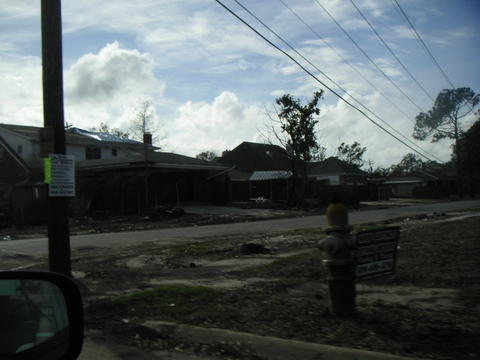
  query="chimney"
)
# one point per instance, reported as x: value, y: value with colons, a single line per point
x: 147, y: 139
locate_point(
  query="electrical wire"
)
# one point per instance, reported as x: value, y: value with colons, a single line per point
x: 368, y: 57
x: 391, y: 51
x: 329, y: 78
x: 317, y: 79
x: 361, y: 75
x: 423, y: 43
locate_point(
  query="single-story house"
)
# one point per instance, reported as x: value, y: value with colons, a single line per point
x: 421, y: 184
x: 333, y: 171
x: 132, y: 183
x: 333, y: 175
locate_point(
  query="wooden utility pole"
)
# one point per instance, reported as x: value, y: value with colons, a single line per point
x: 58, y: 229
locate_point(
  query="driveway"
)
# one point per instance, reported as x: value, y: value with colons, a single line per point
x: 171, y: 236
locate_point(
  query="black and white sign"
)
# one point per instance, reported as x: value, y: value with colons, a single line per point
x: 376, y: 252
x: 62, y: 181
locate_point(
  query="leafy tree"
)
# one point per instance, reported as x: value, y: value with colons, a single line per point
x: 408, y: 164
x: 298, y: 123
x: 207, y: 155
x: 379, y: 171
x: 443, y: 120
x: 352, y: 154
x: 104, y: 128
x: 319, y: 154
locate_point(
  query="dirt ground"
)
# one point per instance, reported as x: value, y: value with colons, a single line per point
x: 273, y: 284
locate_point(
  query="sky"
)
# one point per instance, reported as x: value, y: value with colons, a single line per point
x: 213, y: 82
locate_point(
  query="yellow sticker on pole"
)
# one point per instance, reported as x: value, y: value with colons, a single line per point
x: 47, y: 165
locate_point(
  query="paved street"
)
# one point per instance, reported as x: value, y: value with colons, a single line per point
x: 38, y: 247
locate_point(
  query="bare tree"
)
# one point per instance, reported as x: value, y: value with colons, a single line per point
x: 144, y: 123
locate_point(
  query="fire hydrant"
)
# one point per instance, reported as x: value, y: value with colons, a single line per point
x: 338, y: 260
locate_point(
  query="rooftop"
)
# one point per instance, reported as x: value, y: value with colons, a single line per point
x: 73, y: 136
x: 164, y: 160
x: 249, y: 157
x: 334, y: 166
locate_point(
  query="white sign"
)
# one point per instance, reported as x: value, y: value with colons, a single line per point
x: 62, y: 172
x: 376, y: 252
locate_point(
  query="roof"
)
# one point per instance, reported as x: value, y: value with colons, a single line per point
x: 334, y: 166
x: 403, y: 181
x: 105, y: 137
x: 30, y: 132
x: 270, y: 175
x: 412, y: 178
x: 250, y: 157
x: 163, y: 160
x: 14, y: 169
x: 74, y: 136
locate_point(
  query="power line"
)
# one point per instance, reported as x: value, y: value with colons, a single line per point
x: 317, y: 79
x: 329, y: 78
x: 423, y: 43
x: 368, y: 57
x: 361, y: 75
x: 391, y: 51
x: 345, y: 60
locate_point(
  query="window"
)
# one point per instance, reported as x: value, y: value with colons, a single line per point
x: 114, y: 152
x: 19, y: 148
x: 92, y: 153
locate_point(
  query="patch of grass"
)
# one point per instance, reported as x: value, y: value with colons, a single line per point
x: 201, y: 248
x: 439, y: 255
x: 360, y: 228
x: 308, y: 265
x: 170, y: 302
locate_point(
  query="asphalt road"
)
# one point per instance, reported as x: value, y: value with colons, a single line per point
x: 39, y: 247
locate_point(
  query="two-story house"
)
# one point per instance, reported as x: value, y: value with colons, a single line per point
x: 82, y: 144
x: 113, y: 174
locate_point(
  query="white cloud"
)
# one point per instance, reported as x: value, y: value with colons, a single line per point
x: 21, y: 92
x: 105, y: 87
x: 113, y: 72
x: 203, y: 51
x: 220, y: 125
x: 340, y: 123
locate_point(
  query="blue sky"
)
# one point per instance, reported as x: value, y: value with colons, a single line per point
x: 212, y: 81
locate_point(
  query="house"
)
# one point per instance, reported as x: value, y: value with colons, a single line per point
x: 333, y: 171
x: 257, y: 171
x: 14, y: 171
x: 82, y: 144
x: 132, y: 183
x: 421, y: 184
x: 335, y: 175
x: 112, y: 174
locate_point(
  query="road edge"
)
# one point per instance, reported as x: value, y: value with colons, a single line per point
x: 266, y: 347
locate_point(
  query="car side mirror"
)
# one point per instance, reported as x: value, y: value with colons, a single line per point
x: 41, y: 316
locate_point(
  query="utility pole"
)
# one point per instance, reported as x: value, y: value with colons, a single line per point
x: 58, y: 229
